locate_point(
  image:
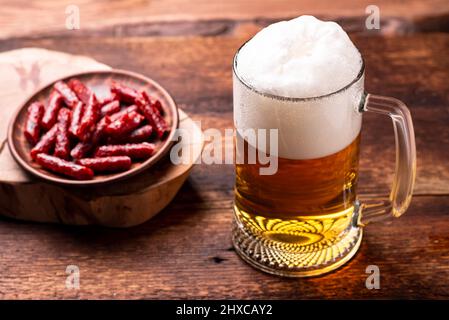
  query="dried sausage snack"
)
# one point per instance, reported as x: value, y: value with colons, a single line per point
x: 77, y: 135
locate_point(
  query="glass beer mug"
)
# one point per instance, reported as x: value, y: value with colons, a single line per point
x: 307, y: 218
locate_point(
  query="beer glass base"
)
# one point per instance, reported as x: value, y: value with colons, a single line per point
x: 265, y: 255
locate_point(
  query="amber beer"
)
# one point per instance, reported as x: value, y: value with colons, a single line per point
x: 306, y: 206
x: 299, y: 188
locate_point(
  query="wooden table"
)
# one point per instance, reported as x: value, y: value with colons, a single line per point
x: 186, y: 251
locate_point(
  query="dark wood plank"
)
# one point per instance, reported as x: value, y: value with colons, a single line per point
x: 161, y: 259
x: 25, y: 18
x: 197, y: 71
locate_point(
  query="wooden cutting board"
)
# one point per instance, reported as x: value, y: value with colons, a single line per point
x: 122, y: 204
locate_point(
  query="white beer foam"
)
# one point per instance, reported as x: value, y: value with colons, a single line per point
x: 303, y: 57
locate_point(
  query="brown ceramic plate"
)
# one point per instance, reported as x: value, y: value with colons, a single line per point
x: 99, y: 82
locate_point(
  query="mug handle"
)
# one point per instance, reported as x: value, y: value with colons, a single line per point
x: 404, y: 177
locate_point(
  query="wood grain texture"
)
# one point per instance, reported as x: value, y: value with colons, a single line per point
x: 185, y: 252
x: 25, y: 18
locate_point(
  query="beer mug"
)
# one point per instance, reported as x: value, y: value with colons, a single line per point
x: 307, y: 218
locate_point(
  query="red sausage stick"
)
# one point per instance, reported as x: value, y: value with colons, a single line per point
x: 100, y: 130
x: 46, y: 142
x: 90, y: 117
x: 32, y: 132
x: 64, y: 167
x: 135, y: 151
x: 117, y: 115
x: 81, y: 149
x: 90, y: 140
x: 124, y: 125
x: 141, y: 134
x: 118, y: 163
x: 155, y: 120
x: 158, y: 122
x: 157, y: 104
x: 69, y: 96
x: 151, y: 112
x: 104, y: 101
x: 81, y: 90
x: 146, y: 98
x: 110, y: 108
x: 76, y: 119
x: 62, y: 146
x: 51, y: 112
x: 124, y: 93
